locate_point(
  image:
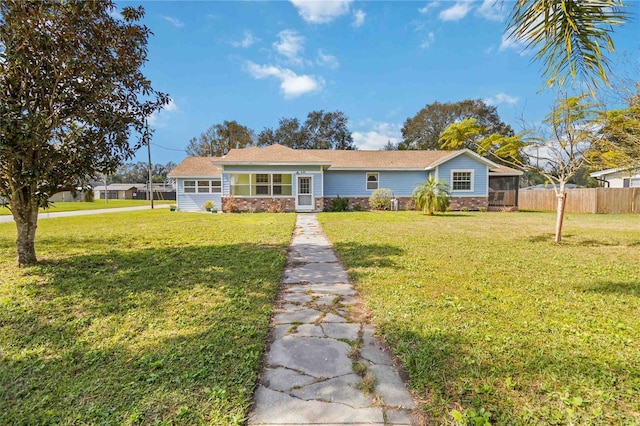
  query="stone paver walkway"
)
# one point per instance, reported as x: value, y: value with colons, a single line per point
x: 325, y: 366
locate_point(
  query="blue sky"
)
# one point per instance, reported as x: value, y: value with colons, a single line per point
x: 379, y: 62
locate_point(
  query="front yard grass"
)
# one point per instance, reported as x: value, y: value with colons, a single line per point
x: 68, y: 206
x: 491, y: 319
x: 146, y: 317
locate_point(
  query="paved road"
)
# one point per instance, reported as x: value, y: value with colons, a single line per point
x: 325, y: 366
x: 51, y: 215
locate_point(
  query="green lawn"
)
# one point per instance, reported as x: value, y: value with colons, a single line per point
x: 491, y: 318
x: 147, y: 317
x: 67, y: 206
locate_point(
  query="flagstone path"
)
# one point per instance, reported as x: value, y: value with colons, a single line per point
x: 325, y: 366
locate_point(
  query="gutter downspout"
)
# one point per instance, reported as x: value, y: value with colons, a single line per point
x: 605, y: 183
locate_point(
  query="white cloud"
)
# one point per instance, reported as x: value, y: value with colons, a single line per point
x: 174, y: 21
x: 502, y: 98
x: 492, y: 10
x: 511, y: 43
x: 456, y: 12
x: 432, y: 5
x: 327, y: 60
x: 160, y: 118
x: 290, y: 44
x: 291, y: 84
x: 377, y: 135
x: 321, y: 11
x: 115, y: 14
x: 248, y: 40
x: 428, y: 41
x: 358, y: 18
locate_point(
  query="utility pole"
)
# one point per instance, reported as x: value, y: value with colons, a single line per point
x: 148, y: 139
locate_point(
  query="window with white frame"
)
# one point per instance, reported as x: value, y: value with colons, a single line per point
x: 216, y: 186
x: 202, y: 186
x: 462, y: 180
x: 261, y: 184
x: 189, y: 186
x: 373, y: 180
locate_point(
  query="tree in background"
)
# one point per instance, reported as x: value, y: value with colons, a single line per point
x: 432, y: 196
x: 321, y: 130
x: 620, y: 145
x: 558, y: 151
x: 289, y: 133
x: 569, y: 36
x: 328, y: 130
x: 139, y: 172
x: 218, y: 139
x: 390, y: 146
x: 71, y: 94
x: 423, y: 130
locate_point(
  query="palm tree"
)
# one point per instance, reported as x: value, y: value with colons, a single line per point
x: 432, y: 196
x: 569, y: 35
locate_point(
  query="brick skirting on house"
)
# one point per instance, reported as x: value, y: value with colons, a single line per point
x: 472, y: 203
x: 404, y: 203
x: 261, y: 204
x: 289, y: 204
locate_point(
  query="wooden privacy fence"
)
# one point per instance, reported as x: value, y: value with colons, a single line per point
x: 589, y: 200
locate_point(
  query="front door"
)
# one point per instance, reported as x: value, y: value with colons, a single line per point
x: 304, y: 196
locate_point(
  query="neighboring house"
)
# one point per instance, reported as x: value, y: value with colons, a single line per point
x: 618, y: 178
x: 64, y: 196
x: 117, y: 191
x: 308, y: 180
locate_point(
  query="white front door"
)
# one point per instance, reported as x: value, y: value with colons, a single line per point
x: 304, y: 195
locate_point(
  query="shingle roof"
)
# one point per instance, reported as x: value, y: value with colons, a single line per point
x: 274, y: 154
x: 196, y: 167
x: 391, y: 160
x: 504, y: 170
x: 334, y: 159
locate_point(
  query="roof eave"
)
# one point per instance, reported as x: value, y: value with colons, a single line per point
x: 195, y: 176
x: 455, y: 154
x: 271, y: 163
x: 513, y: 173
x: 390, y: 169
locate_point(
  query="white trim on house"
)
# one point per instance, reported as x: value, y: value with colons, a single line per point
x: 385, y: 169
x: 270, y: 184
x: 271, y: 163
x: 366, y: 180
x: 304, y: 207
x: 467, y: 151
x: 615, y: 178
x: 196, y: 186
x: 471, y: 172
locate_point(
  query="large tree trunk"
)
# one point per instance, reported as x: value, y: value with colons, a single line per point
x: 562, y: 197
x: 25, y: 214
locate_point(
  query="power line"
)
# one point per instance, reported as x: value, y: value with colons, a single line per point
x: 168, y: 149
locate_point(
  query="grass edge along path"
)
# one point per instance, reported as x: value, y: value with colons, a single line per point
x: 495, y: 322
x: 146, y: 317
x: 69, y: 206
